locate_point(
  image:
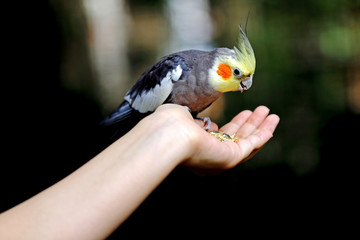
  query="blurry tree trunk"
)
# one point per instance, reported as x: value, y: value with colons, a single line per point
x: 76, y: 71
x: 108, y: 22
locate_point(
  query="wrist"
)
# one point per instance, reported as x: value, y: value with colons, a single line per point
x: 169, y: 135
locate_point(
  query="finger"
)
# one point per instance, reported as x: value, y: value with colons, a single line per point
x: 234, y: 125
x: 270, y: 123
x: 264, y: 133
x: 253, y: 142
x: 253, y: 122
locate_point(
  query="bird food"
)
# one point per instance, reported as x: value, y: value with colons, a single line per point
x: 223, y: 137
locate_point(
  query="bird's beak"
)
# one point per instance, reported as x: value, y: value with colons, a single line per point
x: 245, y: 84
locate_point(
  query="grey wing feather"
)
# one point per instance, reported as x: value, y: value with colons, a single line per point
x: 121, y: 113
x: 150, y: 91
x: 156, y: 84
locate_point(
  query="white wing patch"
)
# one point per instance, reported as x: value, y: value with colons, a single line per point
x: 148, y: 101
x: 176, y: 73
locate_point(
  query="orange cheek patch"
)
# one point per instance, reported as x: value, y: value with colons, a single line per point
x: 224, y: 71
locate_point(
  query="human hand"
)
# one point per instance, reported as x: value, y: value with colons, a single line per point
x: 110, y: 186
x: 252, y: 129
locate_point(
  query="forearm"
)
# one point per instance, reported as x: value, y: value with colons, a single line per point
x: 91, y: 202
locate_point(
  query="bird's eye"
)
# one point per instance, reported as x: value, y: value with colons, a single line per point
x: 237, y: 72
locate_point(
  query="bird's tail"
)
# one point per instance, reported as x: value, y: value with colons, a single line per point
x: 120, y: 121
x: 121, y: 113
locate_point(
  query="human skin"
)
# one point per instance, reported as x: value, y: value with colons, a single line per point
x: 94, y: 200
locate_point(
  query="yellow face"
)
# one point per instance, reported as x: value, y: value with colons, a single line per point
x: 234, y: 72
x: 228, y: 74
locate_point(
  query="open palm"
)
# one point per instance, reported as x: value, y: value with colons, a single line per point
x: 252, y: 129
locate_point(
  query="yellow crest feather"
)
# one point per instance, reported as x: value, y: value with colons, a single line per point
x: 244, y: 53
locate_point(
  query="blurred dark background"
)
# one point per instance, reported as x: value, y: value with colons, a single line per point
x: 69, y: 63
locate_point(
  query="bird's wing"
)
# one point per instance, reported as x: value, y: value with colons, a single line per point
x: 156, y: 84
x: 150, y: 91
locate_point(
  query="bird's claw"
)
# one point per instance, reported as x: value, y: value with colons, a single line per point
x: 207, y: 123
x: 206, y: 120
x: 221, y: 136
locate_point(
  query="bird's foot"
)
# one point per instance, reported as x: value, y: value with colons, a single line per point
x: 207, y: 122
x: 223, y: 137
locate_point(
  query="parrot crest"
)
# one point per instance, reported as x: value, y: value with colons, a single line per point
x: 244, y: 53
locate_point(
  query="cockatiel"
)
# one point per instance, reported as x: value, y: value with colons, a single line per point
x: 191, y: 78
